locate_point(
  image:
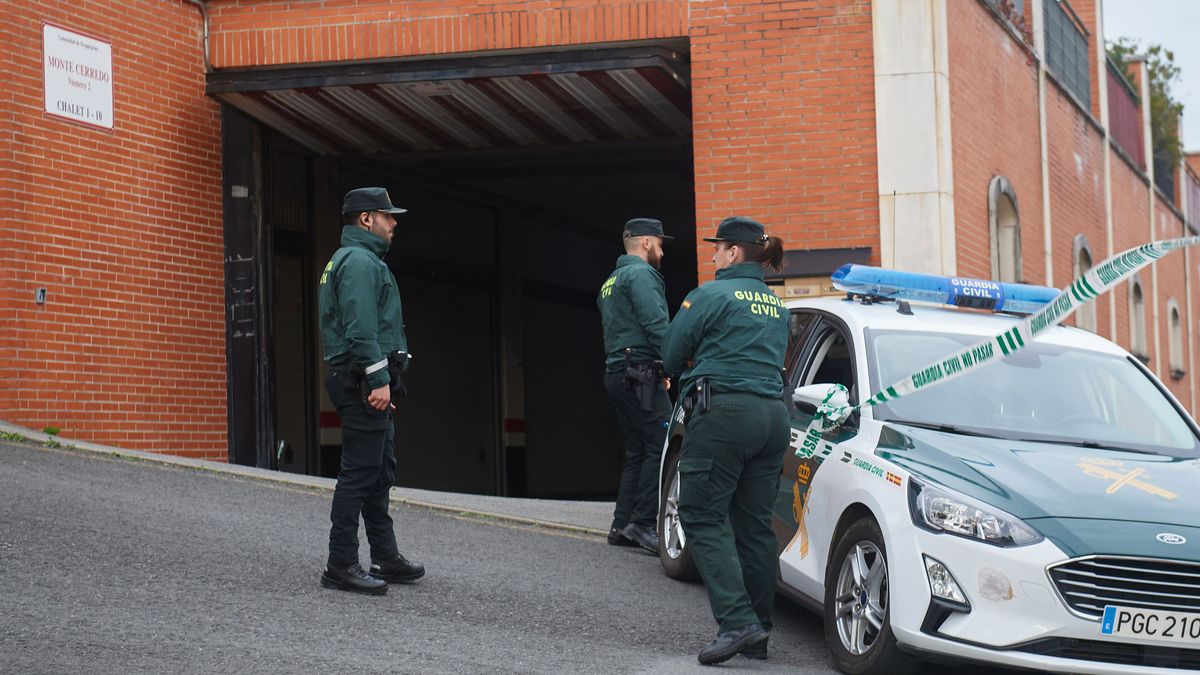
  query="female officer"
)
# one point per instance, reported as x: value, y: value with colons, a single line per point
x: 727, y: 344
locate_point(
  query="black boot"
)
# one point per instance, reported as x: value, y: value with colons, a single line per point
x: 644, y: 536
x: 398, y: 570
x: 352, y: 579
x: 617, y: 538
x: 730, y: 643
x: 758, y: 651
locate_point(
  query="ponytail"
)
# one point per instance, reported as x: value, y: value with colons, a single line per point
x: 769, y: 253
x: 771, y: 256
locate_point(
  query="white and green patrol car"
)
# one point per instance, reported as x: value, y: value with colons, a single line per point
x: 1042, y: 511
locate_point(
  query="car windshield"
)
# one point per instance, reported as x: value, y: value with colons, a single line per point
x: 1042, y: 393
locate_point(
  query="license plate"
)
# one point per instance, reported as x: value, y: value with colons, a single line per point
x: 1151, y: 624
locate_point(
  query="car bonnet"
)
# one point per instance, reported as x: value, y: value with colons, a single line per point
x: 1043, y: 480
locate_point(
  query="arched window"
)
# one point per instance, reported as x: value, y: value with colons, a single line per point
x: 1004, y: 224
x: 1174, y: 340
x: 1085, y: 316
x: 1137, y: 320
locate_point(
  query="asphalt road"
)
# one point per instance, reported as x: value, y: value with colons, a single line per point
x: 117, y: 566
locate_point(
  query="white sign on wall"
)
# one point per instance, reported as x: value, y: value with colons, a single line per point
x: 78, y: 75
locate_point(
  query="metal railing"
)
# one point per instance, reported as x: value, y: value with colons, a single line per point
x: 1123, y: 116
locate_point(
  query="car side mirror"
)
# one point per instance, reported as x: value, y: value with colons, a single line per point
x: 809, y: 397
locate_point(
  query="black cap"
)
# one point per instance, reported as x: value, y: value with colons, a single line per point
x: 369, y: 199
x: 644, y: 227
x: 739, y: 230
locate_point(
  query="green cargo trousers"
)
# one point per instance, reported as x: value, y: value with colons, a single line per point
x: 729, y: 477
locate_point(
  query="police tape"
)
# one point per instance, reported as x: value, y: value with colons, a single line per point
x: 834, y: 409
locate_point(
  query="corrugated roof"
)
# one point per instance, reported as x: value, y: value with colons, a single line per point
x: 482, y: 102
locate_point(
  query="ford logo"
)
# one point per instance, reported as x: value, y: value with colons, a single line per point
x: 1171, y: 538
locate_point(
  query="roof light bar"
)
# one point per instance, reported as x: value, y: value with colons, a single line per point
x: 957, y: 291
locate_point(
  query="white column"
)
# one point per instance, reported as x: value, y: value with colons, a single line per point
x: 1187, y: 275
x: 1101, y: 57
x: 912, y: 131
x: 1151, y: 198
x: 1039, y: 46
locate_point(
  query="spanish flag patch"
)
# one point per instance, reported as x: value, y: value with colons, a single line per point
x: 687, y: 303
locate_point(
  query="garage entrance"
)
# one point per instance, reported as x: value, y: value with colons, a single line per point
x: 518, y: 172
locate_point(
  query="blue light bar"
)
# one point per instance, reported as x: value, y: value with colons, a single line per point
x: 956, y: 291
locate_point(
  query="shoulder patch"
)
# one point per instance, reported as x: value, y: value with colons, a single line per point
x: 687, y: 303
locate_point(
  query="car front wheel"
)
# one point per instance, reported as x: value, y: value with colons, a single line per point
x: 672, y: 543
x: 857, y: 622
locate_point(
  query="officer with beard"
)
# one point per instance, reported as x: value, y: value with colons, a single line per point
x: 362, y: 330
x: 633, y: 310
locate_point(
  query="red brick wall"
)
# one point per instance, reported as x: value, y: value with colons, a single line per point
x: 1075, y: 152
x: 273, y: 32
x: 784, y: 121
x: 1171, y: 285
x: 1130, y: 229
x: 783, y: 93
x: 124, y: 229
x: 994, y: 122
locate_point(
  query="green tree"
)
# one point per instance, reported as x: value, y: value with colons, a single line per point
x: 1164, y: 111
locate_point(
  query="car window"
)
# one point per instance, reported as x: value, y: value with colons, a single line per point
x: 798, y: 324
x: 830, y: 362
x: 1043, y: 392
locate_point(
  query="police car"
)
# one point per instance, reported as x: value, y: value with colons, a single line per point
x: 1041, y: 511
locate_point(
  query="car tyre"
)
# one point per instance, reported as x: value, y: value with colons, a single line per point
x: 858, y: 626
x: 673, y: 552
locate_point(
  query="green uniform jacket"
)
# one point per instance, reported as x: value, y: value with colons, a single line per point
x: 633, y: 310
x: 734, y: 330
x: 360, y: 305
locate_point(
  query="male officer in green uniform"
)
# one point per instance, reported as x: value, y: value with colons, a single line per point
x: 362, y: 329
x: 633, y: 310
x: 727, y: 343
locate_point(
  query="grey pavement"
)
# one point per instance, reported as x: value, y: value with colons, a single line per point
x: 585, y: 517
x: 116, y: 564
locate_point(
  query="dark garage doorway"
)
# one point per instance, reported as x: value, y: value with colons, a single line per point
x: 498, y: 259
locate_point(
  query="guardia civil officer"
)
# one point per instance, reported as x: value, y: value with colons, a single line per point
x: 727, y: 344
x: 362, y: 329
x: 633, y: 310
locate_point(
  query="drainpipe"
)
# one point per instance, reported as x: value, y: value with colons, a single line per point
x: 204, y: 14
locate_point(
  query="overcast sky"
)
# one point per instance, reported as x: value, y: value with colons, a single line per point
x: 1175, y: 24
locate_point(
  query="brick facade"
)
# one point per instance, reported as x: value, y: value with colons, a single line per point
x: 278, y: 32
x: 124, y: 227
x: 993, y: 82
x: 994, y: 118
x: 124, y: 230
x: 1076, y: 169
x: 782, y: 93
x: 783, y: 121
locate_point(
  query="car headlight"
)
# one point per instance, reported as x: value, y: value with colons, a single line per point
x: 939, y: 510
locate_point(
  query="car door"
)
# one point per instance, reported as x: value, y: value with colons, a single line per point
x: 825, y: 357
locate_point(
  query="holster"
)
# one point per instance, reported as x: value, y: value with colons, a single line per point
x: 396, y: 363
x: 643, y: 380
x: 356, y: 383
x: 697, y: 398
x: 356, y: 378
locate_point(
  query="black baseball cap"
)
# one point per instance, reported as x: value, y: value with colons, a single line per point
x: 739, y: 230
x: 644, y: 227
x: 369, y: 199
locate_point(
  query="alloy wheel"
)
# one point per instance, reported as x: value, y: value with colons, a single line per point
x: 860, y: 603
x: 673, y: 539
